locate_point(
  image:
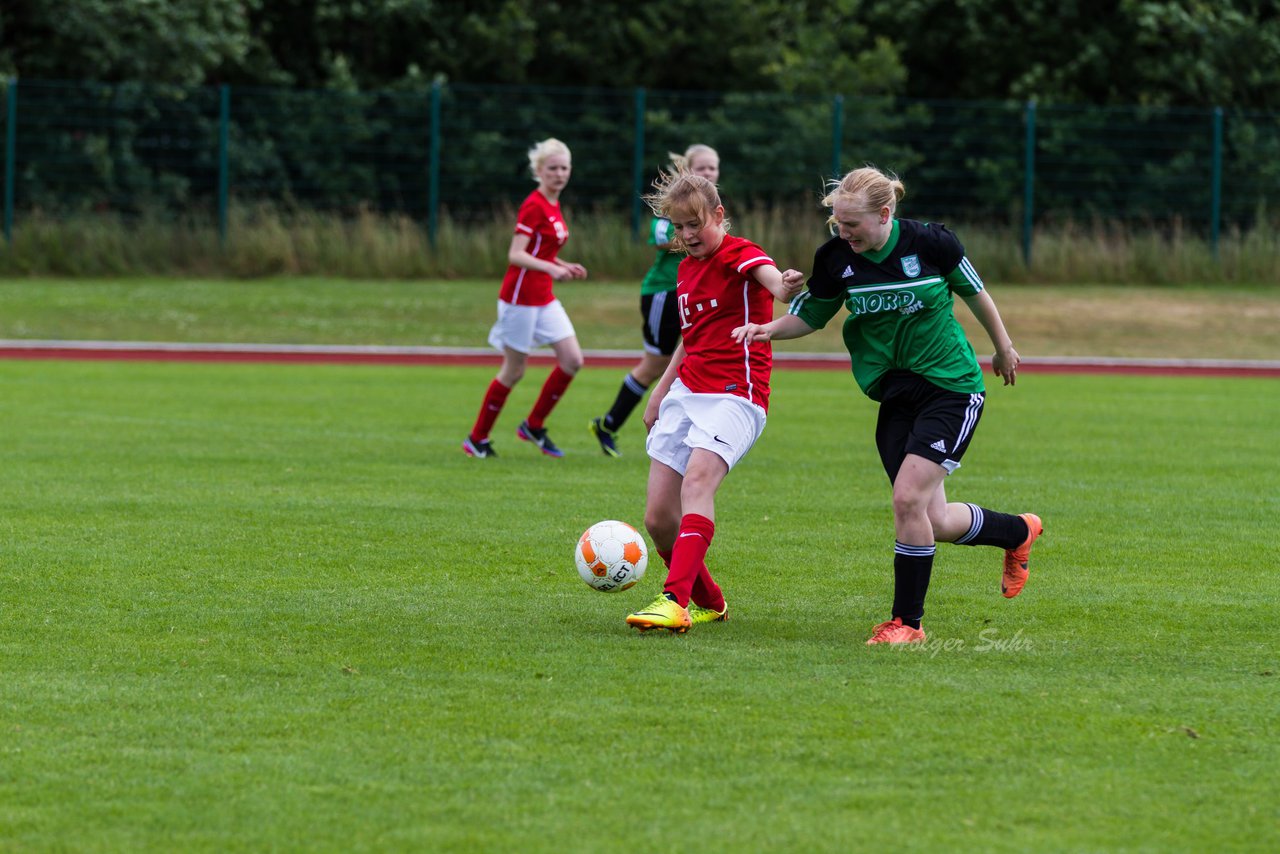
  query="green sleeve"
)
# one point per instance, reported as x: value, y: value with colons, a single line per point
x: 660, y: 232
x: 815, y: 311
x: 964, y: 280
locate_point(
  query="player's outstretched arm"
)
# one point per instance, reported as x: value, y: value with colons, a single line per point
x: 782, y: 285
x: 778, y: 329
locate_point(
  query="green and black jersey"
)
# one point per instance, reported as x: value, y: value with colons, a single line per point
x: 900, y: 306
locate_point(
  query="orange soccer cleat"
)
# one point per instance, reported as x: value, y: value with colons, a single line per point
x: 895, y: 632
x: 1016, y: 560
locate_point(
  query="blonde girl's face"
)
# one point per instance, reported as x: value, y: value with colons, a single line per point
x: 699, y: 238
x: 706, y: 165
x: 863, y: 230
x: 553, y: 172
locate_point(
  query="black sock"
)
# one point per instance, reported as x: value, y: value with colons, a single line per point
x: 992, y: 528
x: 629, y: 396
x: 912, y: 566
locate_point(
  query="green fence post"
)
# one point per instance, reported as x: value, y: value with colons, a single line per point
x: 1215, y: 204
x: 433, y: 167
x: 224, y: 160
x: 10, y: 157
x: 1029, y: 183
x: 837, y: 133
x: 637, y: 164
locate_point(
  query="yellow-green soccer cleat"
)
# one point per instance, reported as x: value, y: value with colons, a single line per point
x: 662, y: 613
x: 699, y: 614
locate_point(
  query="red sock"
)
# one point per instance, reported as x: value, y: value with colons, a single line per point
x: 689, y: 555
x: 494, y: 399
x: 666, y: 557
x: 706, y: 592
x: 552, y: 390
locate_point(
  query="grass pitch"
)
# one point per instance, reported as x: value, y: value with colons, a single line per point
x: 275, y: 608
x: 1217, y: 322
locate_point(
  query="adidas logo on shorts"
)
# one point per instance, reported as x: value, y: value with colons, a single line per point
x: 939, y: 446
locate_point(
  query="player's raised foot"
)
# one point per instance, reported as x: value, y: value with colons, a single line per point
x: 482, y: 448
x: 663, y: 613
x: 605, y: 437
x: 1016, y: 560
x: 699, y: 614
x: 539, y: 437
x: 894, y: 631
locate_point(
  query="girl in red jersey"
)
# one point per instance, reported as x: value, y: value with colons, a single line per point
x: 529, y: 315
x: 709, y: 407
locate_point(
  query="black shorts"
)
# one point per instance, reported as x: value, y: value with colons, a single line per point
x: 918, y: 417
x: 661, y: 327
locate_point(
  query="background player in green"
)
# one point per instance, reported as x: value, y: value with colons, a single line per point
x: 661, y: 323
x: 908, y: 351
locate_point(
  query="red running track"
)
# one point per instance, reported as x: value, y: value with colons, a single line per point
x: 335, y: 355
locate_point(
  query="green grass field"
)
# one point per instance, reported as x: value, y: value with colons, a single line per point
x: 1207, y: 322
x: 275, y: 608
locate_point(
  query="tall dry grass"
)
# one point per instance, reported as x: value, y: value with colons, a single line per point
x: 264, y: 241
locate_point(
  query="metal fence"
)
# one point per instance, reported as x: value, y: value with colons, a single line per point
x: 134, y: 149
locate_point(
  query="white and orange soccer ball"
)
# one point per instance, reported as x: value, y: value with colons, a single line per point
x: 611, y: 556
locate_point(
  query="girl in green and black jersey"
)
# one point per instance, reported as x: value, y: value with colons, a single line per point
x: 896, y: 278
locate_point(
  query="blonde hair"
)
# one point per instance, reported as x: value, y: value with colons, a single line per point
x: 685, y: 161
x: 544, y: 149
x: 867, y: 187
x: 678, y: 189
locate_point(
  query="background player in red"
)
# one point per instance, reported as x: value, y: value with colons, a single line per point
x: 529, y: 315
x: 661, y: 326
x: 709, y: 407
x: 896, y: 279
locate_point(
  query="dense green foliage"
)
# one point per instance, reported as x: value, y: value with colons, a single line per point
x: 1179, y: 52
x: 257, y: 608
x: 331, y: 106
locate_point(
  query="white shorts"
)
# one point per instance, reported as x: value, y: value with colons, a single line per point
x: 526, y: 327
x: 725, y: 424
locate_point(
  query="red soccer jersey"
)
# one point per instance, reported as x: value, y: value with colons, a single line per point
x: 716, y: 295
x: 547, y: 231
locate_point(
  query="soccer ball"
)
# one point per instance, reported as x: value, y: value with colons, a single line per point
x: 611, y: 556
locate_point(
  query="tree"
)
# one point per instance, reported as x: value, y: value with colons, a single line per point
x: 112, y: 40
x: 1177, y: 53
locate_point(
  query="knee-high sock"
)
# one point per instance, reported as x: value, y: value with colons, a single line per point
x: 688, y: 558
x: 912, y: 566
x: 630, y: 393
x: 550, y: 395
x: 494, y: 399
x: 706, y: 592
x: 991, y: 528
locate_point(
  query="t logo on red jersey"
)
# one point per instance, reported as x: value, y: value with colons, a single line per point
x: 687, y: 311
x: 684, y: 311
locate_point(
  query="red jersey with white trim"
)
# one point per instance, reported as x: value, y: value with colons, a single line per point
x: 540, y: 220
x: 716, y: 295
